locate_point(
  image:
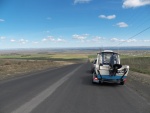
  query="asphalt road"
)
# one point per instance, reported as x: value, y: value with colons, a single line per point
x: 67, y: 90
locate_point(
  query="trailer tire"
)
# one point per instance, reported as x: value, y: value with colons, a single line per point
x: 122, y: 83
x: 93, y: 81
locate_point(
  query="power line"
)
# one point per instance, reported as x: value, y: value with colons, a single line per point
x: 135, y: 35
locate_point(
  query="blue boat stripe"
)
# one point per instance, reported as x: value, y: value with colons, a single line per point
x: 110, y: 77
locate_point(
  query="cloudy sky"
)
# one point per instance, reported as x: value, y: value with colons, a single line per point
x: 74, y: 23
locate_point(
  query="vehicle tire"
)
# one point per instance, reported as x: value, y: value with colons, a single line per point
x: 122, y: 83
x: 92, y: 78
x: 100, y: 82
x: 93, y: 81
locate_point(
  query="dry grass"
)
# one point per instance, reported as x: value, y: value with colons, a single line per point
x: 69, y: 56
x: 10, y: 68
x: 15, y: 63
x: 138, y: 64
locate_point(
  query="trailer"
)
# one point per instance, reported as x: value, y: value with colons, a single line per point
x: 108, y: 68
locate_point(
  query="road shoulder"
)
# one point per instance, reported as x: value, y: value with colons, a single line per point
x: 140, y: 83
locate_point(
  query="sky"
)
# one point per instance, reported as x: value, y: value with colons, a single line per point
x: 74, y: 23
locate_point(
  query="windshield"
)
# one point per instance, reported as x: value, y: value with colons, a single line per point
x: 106, y: 57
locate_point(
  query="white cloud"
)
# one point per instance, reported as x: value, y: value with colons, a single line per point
x: 52, y: 39
x: 80, y: 37
x: 109, y: 17
x: 23, y: 41
x: 49, y: 38
x: 135, y: 3
x: 146, y: 40
x: 60, y: 40
x: 35, y: 42
x: 97, y: 39
x: 122, y: 40
x: 81, y: 1
x: 12, y: 40
x: 118, y: 40
x: 131, y: 40
x: 2, y: 20
x: 122, y: 24
x: 114, y: 39
x: 2, y: 37
x: 44, y: 39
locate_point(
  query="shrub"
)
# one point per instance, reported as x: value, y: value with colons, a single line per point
x: 19, y: 63
x: 7, y: 63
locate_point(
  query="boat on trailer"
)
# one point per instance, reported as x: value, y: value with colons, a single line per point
x: 108, y: 68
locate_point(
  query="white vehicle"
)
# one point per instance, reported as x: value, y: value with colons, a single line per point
x: 108, y: 68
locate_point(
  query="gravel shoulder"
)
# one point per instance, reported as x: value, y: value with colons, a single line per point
x: 140, y: 83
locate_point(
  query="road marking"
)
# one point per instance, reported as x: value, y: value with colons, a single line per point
x: 34, y: 102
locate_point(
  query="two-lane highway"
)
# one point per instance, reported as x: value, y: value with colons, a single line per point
x: 67, y: 90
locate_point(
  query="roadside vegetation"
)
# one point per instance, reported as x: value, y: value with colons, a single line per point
x: 13, y: 64
x: 92, y: 57
x: 45, y: 56
x: 137, y: 64
x: 10, y: 68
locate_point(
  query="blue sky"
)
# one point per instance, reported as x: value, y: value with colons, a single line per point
x: 73, y: 23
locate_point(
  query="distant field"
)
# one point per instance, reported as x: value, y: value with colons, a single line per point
x: 16, y: 63
x: 139, y: 63
x: 45, y: 56
x: 10, y: 63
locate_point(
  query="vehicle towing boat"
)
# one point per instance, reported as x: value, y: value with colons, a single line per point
x: 108, y: 68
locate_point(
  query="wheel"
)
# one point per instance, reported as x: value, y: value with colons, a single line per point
x: 93, y: 78
x: 122, y: 83
x: 92, y: 70
x: 93, y: 82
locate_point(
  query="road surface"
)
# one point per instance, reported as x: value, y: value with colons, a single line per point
x: 67, y: 90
